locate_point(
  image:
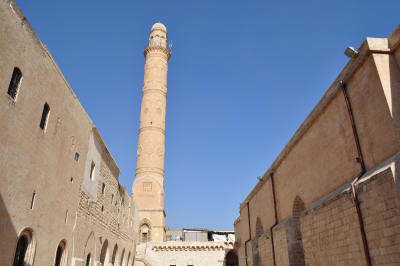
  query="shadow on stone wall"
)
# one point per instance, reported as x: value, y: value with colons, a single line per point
x: 9, y: 236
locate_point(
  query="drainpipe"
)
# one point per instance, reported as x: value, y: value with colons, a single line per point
x: 361, y: 161
x: 245, y: 243
x: 276, y: 218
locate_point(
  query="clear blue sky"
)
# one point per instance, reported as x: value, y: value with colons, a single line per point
x: 242, y: 78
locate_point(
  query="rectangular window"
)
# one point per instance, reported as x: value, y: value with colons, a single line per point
x: 112, y: 198
x: 77, y: 157
x: 103, y: 188
x: 144, y: 237
x: 92, y: 171
x: 45, y: 117
x: 102, y: 208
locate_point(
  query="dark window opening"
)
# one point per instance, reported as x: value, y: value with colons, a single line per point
x: 112, y: 198
x: 102, y: 208
x: 92, y: 171
x: 33, y: 200
x: 144, y: 237
x: 72, y: 180
x: 20, y: 253
x: 77, y: 157
x: 103, y: 188
x: 45, y: 116
x: 58, y: 256
x: 88, y: 260
x: 14, y: 83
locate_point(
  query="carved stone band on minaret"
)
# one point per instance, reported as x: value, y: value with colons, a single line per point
x: 159, y: 129
x: 163, y: 93
x: 165, y: 51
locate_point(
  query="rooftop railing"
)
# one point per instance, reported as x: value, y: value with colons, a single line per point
x: 159, y: 44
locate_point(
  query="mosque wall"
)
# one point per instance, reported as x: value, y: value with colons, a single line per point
x: 53, y: 163
x: 322, y: 158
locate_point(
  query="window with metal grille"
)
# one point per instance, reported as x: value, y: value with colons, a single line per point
x: 20, y: 253
x: 14, y: 83
x: 92, y: 171
x: 45, y: 116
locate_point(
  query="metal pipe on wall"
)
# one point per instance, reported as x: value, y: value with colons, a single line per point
x: 361, y: 161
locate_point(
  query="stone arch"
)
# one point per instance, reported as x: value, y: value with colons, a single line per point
x: 90, y: 245
x: 25, y: 247
x: 295, y: 243
x: 122, y: 262
x: 231, y: 258
x: 145, y: 228
x: 140, y: 178
x: 114, y: 255
x: 104, y: 254
x: 61, y: 255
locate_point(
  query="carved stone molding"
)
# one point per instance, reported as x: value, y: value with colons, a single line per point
x: 154, y: 128
x: 152, y: 169
x: 192, y: 246
x: 145, y: 91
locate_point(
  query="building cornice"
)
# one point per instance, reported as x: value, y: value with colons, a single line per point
x: 163, y: 50
x: 192, y: 246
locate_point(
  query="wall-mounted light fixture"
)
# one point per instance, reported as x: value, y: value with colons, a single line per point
x: 350, y: 52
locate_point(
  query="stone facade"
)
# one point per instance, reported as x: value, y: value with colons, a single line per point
x: 310, y: 184
x: 60, y: 199
x: 186, y: 253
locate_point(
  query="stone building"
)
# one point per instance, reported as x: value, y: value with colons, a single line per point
x: 60, y: 199
x: 332, y: 195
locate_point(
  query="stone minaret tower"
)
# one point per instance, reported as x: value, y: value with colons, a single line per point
x: 148, y: 187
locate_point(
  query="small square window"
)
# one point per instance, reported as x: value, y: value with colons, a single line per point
x: 77, y: 157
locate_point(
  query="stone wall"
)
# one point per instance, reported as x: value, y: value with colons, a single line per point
x: 320, y: 159
x: 187, y: 253
x: 47, y: 192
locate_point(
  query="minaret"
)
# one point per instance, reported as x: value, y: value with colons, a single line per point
x: 148, y: 187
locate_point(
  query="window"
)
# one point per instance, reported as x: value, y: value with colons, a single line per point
x: 33, y: 199
x: 59, y: 254
x: 88, y: 260
x: 144, y: 237
x: 25, y: 250
x: 103, y: 188
x: 76, y: 156
x: 112, y: 198
x: 66, y: 217
x: 102, y: 208
x: 45, y: 117
x: 14, y: 83
x: 22, y: 247
x: 92, y: 171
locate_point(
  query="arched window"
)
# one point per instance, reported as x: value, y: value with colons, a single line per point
x: 104, y: 256
x: 45, y: 116
x: 61, y: 255
x: 88, y: 260
x: 114, y: 254
x: 294, y: 240
x: 14, y: 83
x: 20, y: 253
x: 25, y: 249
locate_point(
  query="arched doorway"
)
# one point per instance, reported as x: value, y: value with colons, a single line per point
x: 295, y: 243
x: 104, y: 255
x: 114, y: 256
x: 231, y: 258
x: 25, y: 249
